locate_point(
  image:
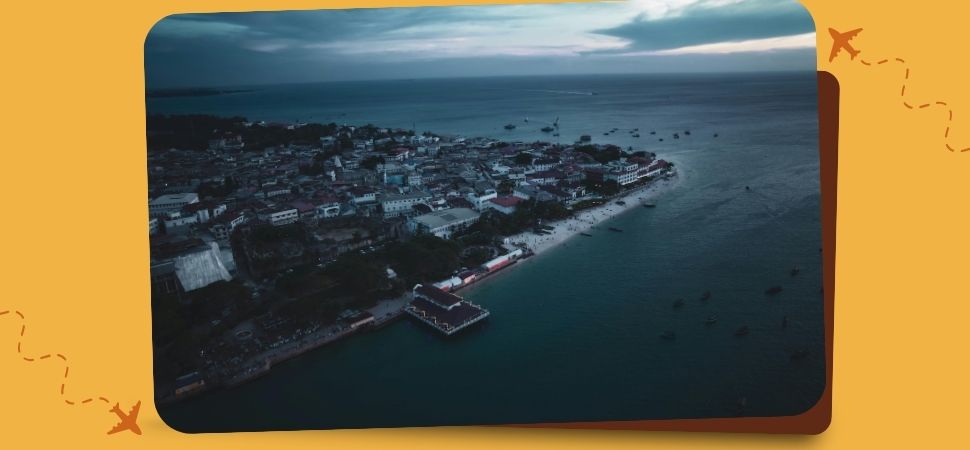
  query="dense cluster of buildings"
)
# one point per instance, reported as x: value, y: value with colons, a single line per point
x: 411, y: 183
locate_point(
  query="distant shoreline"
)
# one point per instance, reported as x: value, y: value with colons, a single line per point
x: 191, y: 92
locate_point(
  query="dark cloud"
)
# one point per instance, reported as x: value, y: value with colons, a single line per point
x: 697, y: 25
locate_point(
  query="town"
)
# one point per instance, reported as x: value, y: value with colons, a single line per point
x: 271, y: 239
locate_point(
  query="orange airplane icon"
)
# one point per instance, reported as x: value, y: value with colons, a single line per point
x: 840, y: 41
x: 128, y: 421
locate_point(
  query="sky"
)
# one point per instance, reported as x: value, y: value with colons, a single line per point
x: 635, y: 36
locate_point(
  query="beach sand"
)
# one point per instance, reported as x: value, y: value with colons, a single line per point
x: 586, y: 219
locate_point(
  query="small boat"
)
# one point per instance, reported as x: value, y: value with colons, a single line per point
x: 711, y: 320
x: 742, y: 405
x: 795, y: 270
x: 555, y: 134
x: 585, y: 138
x: 799, y: 354
x: 706, y: 295
x: 547, y: 129
x: 773, y: 290
x: 784, y: 322
x: 743, y: 331
x: 747, y: 188
x: 715, y: 134
x: 653, y: 132
x: 606, y: 134
x: 687, y: 133
x: 676, y: 136
x: 678, y: 303
x: 586, y: 234
x: 615, y: 229
x: 510, y: 127
x: 636, y: 135
x: 668, y: 335
x: 649, y: 205
x: 661, y: 139
x: 621, y: 202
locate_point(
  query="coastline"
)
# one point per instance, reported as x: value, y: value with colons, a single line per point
x: 592, y: 217
x: 567, y: 229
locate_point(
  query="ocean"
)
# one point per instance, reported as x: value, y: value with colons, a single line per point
x: 574, y: 334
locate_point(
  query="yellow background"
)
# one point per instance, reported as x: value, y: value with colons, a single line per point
x: 73, y: 248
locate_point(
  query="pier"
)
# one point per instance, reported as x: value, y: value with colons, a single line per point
x: 444, y: 311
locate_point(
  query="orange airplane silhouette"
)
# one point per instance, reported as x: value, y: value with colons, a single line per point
x: 128, y: 421
x: 841, y: 40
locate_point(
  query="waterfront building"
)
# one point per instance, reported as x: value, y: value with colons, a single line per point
x: 443, y: 223
x: 443, y: 311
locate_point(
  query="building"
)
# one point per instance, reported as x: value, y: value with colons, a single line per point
x: 443, y: 311
x: 163, y: 205
x: 189, y: 383
x: 363, y: 195
x: 443, y: 223
x: 153, y: 226
x: 280, y: 216
x: 479, y: 199
x: 223, y: 226
x: 505, y: 204
x: 395, y: 205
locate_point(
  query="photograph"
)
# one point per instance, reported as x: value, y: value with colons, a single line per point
x: 484, y: 215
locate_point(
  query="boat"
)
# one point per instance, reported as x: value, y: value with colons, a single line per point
x: 799, y: 354
x: 547, y: 129
x: 795, y: 270
x: 653, y: 132
x: 676, y: 136
x: 747, y: 188
x: 606, y: 134
x: 586, y: 234
x: 711, y: 320
x: 743, y: 331
x: 773, y: 290
x: 649, y: 205
x: 555, y: 134
x: 636, y: 135
x: 706, y: 295
x: 510, y: 127
x: 687, y: 133
x: 678, y: 303
x: 661, y: 139
x: 715, y: 134
x: 668, y: 335
x: 615, y: 229
x: 585, y: 138
x: 621, y: 202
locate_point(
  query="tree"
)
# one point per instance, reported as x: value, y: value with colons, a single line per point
x: 523, y: 158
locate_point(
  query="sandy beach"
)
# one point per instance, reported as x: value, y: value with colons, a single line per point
x: 586, y: 219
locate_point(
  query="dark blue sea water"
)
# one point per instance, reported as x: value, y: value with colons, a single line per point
x: 574, y: 333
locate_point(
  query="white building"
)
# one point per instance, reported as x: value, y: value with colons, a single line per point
x: 395, y: 205
x: 443, y: 223
x: 281, y: 216
x: 480, y: 199
x: 168, y: 203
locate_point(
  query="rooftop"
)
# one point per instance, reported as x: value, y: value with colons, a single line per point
x: 446, y: 217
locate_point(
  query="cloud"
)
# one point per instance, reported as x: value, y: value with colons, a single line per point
x: 303, y: 46
x: 699, y: 23
x: 798, y: 41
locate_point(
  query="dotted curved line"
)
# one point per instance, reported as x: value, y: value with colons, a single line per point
x: 67, y: 368
x: 902, y: 93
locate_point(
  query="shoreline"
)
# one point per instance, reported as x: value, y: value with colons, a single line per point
x: 390, y: 310
x: 567, y: 229
x: 586, y: 219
